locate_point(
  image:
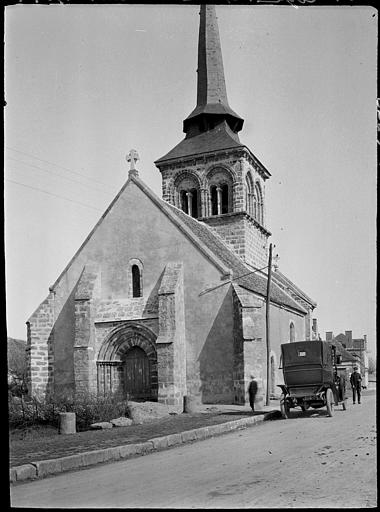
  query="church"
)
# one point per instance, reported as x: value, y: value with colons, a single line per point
x: 166, y: 297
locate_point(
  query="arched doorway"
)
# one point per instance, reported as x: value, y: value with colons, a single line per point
x: 127, y: 363
x: 136, y: 378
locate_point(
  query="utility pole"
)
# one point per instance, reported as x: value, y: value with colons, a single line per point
x: 267, y: 330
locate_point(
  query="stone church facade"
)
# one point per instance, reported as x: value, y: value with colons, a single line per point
x: 166, y: 297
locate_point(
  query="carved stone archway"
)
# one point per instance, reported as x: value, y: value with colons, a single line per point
x: 127, y: 349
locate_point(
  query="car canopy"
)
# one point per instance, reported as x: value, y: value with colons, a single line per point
x: 306, y: 352
x: 307, y: 363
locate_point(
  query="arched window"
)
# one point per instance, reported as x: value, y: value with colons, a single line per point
x: 225, y: 194
x: 292, y: 333
x: 187, y: 189
x: 194, y: 203
x: 220, y: 191
x: 214, y: 200
x: 135, y: 278
x: 249, y: 195
x: 258, y: 207
x: 219, y: 199
x: 183, y: 200
x: 136, y: 281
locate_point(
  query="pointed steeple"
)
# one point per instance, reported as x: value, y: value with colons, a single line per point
x: 212, y: 104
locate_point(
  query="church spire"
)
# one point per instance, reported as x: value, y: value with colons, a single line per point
x: 212, y: 104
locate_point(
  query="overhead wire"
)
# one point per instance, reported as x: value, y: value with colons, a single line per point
x: 52, y: 194
x: 59, y: 175
x: 58, y: 165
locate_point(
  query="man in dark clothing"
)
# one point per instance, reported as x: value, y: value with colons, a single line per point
x: 356, y: 384
x: 252, y: 390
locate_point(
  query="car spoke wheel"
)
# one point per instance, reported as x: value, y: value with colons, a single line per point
x: 284, y: 406
x: 329, y: 402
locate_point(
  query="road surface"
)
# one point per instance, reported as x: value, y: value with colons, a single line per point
x: 309, y: 460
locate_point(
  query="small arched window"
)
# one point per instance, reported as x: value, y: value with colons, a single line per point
x: 187, y: 190
x: 224, y: 198
x: 292, y: 333
x: 194, y: 203
x: 219, y: 199
x: 258, y: 206
x: 214, y: 200
x: 136, y: 281
x: 183, y: 199
x: 249, y: 197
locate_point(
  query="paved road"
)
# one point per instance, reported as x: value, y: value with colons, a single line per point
x: 310, y: 460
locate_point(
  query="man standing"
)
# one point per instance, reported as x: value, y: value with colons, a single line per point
x: 356, y: 384
x: 252, y: 390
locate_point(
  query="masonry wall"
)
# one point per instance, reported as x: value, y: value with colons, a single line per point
x: 121, y: 237
x: 243, y: 235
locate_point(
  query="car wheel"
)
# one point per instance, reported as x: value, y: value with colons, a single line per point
x: 329, y: 402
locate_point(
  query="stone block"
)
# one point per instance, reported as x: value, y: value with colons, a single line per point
x: 189, y: 435
x: 101, y: 425
x: 128, y: 450
x: 121, y: 422
x: 94, y: 457
x: 72, y: 462
x: 112, y: 453
x: 24, y: 472
x: 174, y: 439
x: 202, y: 433
x: 159, y: 443
x: 12, y: 475
x: 48, y: 467
x: 142, y: 448
x: 217, y: 429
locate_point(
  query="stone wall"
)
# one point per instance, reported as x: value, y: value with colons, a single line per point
x: 39, y: 349
x: 86, y: 299
x: 244, y: 235
x: 171, y: 342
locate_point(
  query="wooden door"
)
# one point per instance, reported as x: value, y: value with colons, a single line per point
x: 137, y: 374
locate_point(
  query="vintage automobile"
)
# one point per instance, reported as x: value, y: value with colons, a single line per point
x: 311, y: 376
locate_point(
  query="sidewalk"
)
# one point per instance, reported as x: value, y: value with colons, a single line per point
x: 38, y: 458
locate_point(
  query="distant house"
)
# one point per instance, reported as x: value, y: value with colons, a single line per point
x: 356, y: 348
x: 372, y: 380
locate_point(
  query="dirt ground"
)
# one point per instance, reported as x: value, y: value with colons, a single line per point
x: 307, y: 461
x: 45, y: 443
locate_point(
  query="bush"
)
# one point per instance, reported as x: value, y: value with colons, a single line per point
x: 28, y: 412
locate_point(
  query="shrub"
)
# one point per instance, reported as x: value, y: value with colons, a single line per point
x: 27, y: 412
x: 91, y: 408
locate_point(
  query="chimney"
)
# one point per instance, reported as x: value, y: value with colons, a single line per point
x: 365, y: 341
x: 349, y: 338
x: 315, y: 329
x: 329, y: 336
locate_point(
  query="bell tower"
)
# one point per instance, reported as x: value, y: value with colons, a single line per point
x: 210, y: 174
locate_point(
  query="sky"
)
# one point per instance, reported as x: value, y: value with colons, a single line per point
x: 84, y: 84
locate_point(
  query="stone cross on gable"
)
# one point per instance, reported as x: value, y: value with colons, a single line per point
x: 133, y: 157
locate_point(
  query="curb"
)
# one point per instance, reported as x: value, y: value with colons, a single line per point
x: 44, y: 468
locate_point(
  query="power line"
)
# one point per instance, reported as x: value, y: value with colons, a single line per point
x: 230, y: 280
x: 58, y: 165
x: 58, y: 175
x: 54, y: 195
